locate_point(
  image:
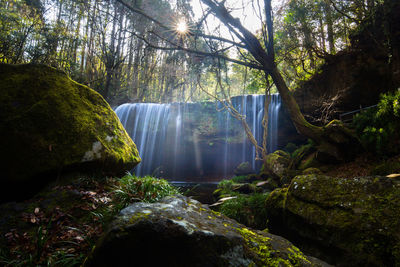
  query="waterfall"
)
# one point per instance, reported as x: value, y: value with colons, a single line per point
x: 146, y: 124
x: 273, y: 119
x: 185, y: 141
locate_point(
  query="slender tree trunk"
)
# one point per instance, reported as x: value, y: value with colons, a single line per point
x: 329, y: 24
x: 322, y: 32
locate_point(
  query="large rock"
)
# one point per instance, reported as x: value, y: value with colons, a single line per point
x: 352, y: 221
x: 50, y: 124
x: 180, y: 231
x: 278, y: 165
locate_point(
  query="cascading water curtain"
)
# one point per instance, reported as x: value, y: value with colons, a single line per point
x: 146, y: 124
x: 167, y: 138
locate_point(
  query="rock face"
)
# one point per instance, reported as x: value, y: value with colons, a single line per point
x: 346, y: 221
x: 50, y: 124
x: 179, y: 231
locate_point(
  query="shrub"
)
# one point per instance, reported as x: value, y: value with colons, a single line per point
x: 226, y: 185
x: 378, y: 128
x: 239, y: 179
x: 247, y: 209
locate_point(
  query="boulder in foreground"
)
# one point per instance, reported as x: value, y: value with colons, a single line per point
x: 179, y: 231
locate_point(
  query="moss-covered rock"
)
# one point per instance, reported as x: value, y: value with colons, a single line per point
x: 179, y: 231
x: 302, y: 153
x: 51, y: 124
x: 276, y: 164
x: 353, y: 221
x: 309, y: 161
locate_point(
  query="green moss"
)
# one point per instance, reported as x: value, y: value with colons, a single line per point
x: 239, y: 179
x: 261, y: 246
x: 276, y: 163
x: 309, y: 162
x: 247, y: 209
x: 302, y: 152
x: 137, y: 217
x: 58, y: 124
x: 358, y: 215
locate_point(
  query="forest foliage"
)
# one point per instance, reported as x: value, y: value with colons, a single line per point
x: 101, y: 44
x: 378, y: 127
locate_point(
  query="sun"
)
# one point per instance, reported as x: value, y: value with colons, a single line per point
x: 182, y: 27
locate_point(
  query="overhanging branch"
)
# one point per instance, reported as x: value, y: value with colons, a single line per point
x: 202, y: 53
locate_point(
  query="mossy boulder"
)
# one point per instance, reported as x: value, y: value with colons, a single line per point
x: 345, y: 221
x: 51, y: 124
x: 179, y: 231
x: 276, y: 163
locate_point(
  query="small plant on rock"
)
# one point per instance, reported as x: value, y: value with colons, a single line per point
x: 247, y: 209
x: 148, y: 189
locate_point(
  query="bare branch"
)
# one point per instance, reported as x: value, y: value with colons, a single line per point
x: 252, y: 43
x: 212, y: 37
x: 177, y: 47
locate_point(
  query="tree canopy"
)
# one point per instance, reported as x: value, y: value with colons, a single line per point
x: 104, y: 45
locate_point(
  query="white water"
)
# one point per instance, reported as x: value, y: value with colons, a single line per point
x: 170, y: 144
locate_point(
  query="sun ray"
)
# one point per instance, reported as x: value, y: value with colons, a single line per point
x: 182, y: 27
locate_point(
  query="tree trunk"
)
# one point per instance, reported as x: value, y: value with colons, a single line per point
x: 334, y: 139
x: 329, y: 24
